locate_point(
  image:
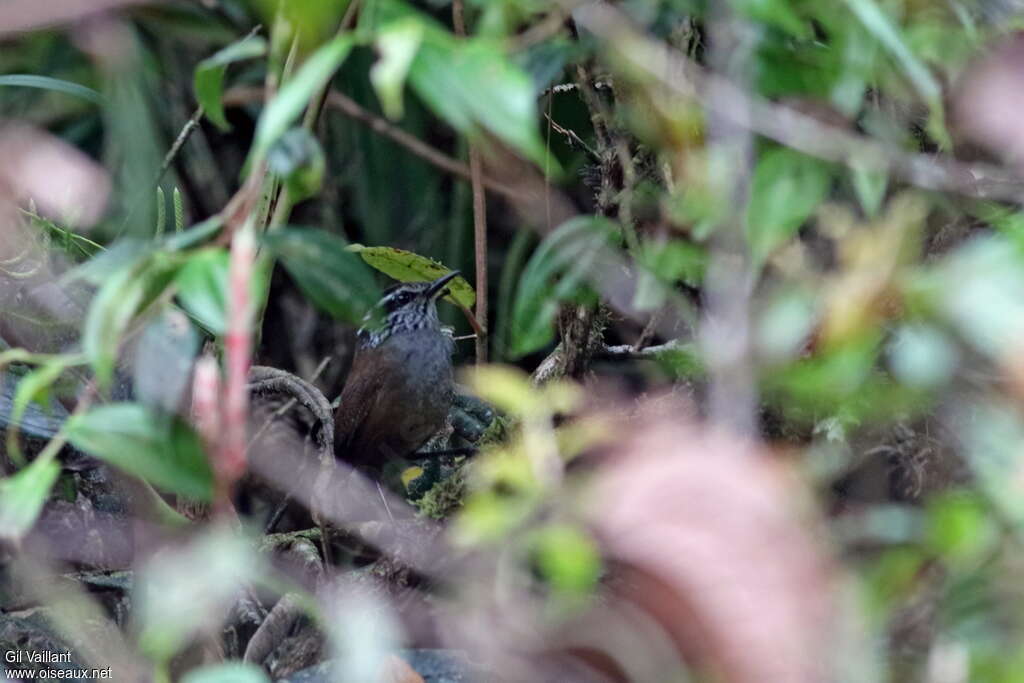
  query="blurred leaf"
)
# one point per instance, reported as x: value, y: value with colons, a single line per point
x: 843, y: 377
x: 310, y: 21
x: 124, y: 253
x: 363, y: 632
x: 406, y: 266
x: 22, y: 497
x: 209, y: 76
x: 785, y: 325
x: 199, y: 232
x: 892, y: 577
x: 124, y: 294
x: 960, y: 528
x: 159, y: 448
x: 778, y: 13
x: 397, y: 44
x: 163, y: 360
x: 567, y: 558
x: 47, y: 83
x: 506, y: 387
x: 921, y: 356
x: 786, y: 188
x: 993, y: 433
x: 870, y: 187
x: 672, y: 260
x: 298, y: 158
x: 556, y: 272
x: 877, y: 22
x: 980, y: 288
x: 202, y: 287
x: 227, y: 673
x: 679, y: 509
x: 282, y: 111
x: 326, y: 272
x: 35, y: 386
x: 504, y: 493
x: 173, y: 602
x: 472, y: 85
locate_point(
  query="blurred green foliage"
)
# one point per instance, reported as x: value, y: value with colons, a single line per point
x: 873, y: 305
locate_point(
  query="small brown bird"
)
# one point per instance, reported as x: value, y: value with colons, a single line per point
x: 400, y: 387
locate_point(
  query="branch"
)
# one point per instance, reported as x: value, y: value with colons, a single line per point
x: 631, y: 352
x: 476, y: 179
x: 240, y: 95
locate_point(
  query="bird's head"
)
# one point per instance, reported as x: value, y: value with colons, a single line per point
x: 405, y: 307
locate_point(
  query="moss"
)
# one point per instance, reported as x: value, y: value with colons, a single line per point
x: 497, y: 431
x: 444, y: 497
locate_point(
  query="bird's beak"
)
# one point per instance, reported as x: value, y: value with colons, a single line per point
x: 437, y: 287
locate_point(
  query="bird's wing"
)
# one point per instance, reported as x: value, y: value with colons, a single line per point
x: 357, y: 400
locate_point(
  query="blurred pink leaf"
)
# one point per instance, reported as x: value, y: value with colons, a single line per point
x: 24, y: 15
x: 990, y: 100
x: 717, y: 550
x: 65, y: 183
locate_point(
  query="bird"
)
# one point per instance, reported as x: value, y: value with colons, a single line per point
x: 400, y: 388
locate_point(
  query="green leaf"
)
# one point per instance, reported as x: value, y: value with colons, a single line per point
x: 200, y: 232
x: 299, y: 159
x: 786, y: 188
x: 35, y: 385
x: 284, y: 109
x: 870, y: 187
x: 778, y: 13
x: 406, y: 266
x: 22, y: 497
x: 877, y: 22
x: 202, y: 288
x: 959, y: 526
x: 227, y: 673
x: 209, y: 76
x: 124, y: 253
x: 568, y: 558
x: 555, y: 273
x: 47, y: 83
x: 309, y: 22
x: 333, y: 278
x: 472, y: 85
x: 125, y: 292
x: 397, y: 44
x: 157, y: 447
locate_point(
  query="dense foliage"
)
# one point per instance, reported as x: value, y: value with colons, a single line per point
x: 778, y: 243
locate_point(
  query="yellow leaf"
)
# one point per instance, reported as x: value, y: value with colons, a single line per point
x: 407, y: 266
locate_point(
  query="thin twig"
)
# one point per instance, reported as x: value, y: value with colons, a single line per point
x: 240, y: 95
x: 190, y: 125
x: 179, y: 142
x: 634, y: 352
x: 546, y: 28
x: 476, y: 179
x: 571, y: 135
